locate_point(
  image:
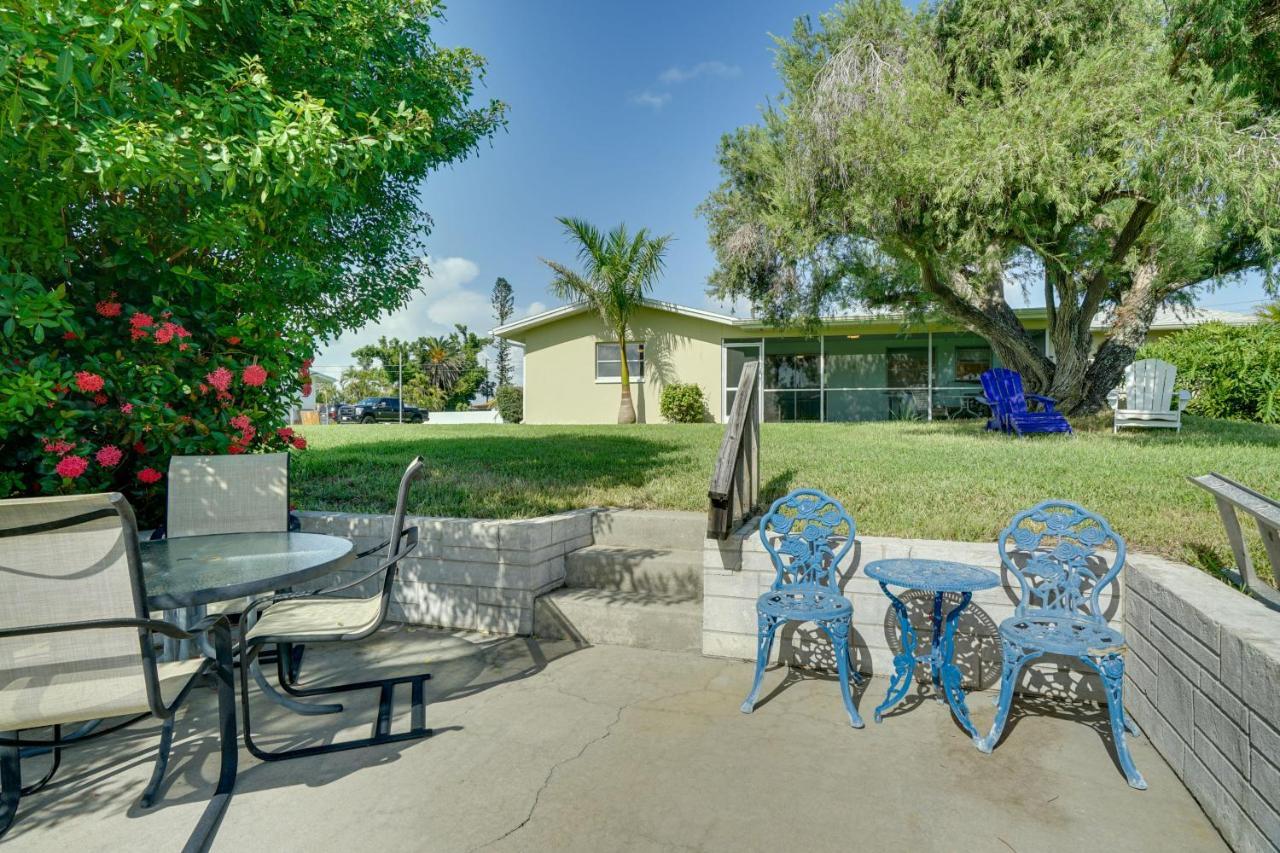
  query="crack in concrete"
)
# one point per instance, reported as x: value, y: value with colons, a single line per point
x: 551, y: 772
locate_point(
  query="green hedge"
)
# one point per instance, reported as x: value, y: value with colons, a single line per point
x: 1233, y: 371
x: 510, y: 403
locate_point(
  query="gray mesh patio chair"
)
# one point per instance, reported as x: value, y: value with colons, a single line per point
x: 76, y: 644
x: 230, y: 494
x: 290, y: 619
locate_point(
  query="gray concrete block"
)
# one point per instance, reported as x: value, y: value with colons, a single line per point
x: 1175, y: 697
x: 526, y: 534
x: 1224, y: 749
x: 1188, y: 645
x: 1261, y: 676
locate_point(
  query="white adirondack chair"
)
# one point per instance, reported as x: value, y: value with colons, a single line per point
x: 1146, y: 397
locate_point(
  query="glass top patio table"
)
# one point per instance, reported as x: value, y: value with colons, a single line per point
x: 190, y: 571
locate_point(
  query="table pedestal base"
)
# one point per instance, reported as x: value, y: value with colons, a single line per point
x: 945, y: 674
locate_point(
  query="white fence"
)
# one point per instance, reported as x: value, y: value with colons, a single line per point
x: 491, y: 417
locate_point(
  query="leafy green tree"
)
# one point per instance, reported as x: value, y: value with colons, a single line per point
x: 618, y: 269
x: 192, y: 197
x: 1114, y: 155
x: 504, y: 305
x: 364, y: 381
x: 440, y: 372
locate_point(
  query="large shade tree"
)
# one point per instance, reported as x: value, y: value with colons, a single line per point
x: 440, y: 372
x: 193, y: 197
x: 1109, y: 155
x: 618, y: 269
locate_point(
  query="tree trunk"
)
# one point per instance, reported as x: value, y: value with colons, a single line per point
x: 626, y: 411
x: 1128, y: 333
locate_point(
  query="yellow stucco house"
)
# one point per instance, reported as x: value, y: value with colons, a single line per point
x: 862, y: 367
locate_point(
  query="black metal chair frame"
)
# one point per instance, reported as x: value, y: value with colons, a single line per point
x: 220, y: 667
x: 401, y: 543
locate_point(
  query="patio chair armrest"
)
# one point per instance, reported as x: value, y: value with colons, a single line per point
x: 984, y: 401
x: 1047, y: 402
x: 1114, y: 396
x: 1184, y: 399
x: 375, y: 549
x: 411, y: 533
x: 167, y: 629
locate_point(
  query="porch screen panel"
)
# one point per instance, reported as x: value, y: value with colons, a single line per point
x: 792, y: 379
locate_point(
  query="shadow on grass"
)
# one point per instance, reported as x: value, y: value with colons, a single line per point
x: 489, y: 476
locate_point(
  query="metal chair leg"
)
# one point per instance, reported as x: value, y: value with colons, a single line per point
x: 10, y: 782
x: 1015, y: 658
x: 767, y: 626
x: 200, y: 837
x: 381, y: 727
x: 162, y: 763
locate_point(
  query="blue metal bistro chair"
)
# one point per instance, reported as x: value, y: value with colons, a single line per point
x: 1062, y: 575
x: 797, y: 531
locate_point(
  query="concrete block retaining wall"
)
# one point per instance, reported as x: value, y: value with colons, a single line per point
x: 1204, y: 685
x: 738, y: 570
x: 474, y: 574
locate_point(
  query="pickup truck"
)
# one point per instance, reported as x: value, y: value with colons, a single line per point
x: 374, y: 409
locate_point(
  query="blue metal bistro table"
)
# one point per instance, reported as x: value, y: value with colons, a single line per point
x: 938, y: 577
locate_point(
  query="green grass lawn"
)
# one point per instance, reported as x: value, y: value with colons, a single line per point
x: 926, y: 480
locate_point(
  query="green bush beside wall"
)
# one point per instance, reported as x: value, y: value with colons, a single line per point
x: 1232, y: 371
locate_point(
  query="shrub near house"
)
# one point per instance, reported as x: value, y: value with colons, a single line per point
x: 683, y: 403
x: 1232, y: 371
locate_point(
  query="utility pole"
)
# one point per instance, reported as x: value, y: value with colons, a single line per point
x: 400, y: 389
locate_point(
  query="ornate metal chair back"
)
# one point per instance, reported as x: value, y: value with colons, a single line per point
x: 807, y: 534
x: 1064, y: 557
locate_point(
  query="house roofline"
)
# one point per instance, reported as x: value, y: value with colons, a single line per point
x: 1165, y: 318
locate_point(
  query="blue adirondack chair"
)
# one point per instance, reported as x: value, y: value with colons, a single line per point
x: 1061, y: 574
x: 1002, y: 392
x: 798, y: 532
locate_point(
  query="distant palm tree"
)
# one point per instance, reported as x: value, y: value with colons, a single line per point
x: 618, y: 269
x: 441, y: 362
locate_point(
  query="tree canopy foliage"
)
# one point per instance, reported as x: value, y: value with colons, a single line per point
x: 440, y: 373
x: 504, y: 305
x: 1112, y: 156
x: 247, y: 173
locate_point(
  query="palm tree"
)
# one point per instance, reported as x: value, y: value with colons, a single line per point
x: 440, y: 361
x: 617, y: 270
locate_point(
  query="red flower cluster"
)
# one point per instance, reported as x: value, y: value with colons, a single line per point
x: 127, y: 408
x: 138, y: 325
x: 233, y: 340
x: 59, y: 447
x: 107, y: 308
x: 149, y: 476
x: 88, y: 382
x: 168, y: 331
x: 109, y: 456
x: 254, y: 375
x: 71, y: 466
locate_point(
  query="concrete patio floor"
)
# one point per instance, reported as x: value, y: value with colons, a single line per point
x: 547, y: 746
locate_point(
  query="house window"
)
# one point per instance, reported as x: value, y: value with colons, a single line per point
x: 609, y: 362
x: 908, y: 368
x: 971, y: 363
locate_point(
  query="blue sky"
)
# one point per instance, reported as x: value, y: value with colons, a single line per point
x: 615, y: 111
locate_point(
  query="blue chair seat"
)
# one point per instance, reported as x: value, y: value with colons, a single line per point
x: 795, y: 603
x: 1062, y: 635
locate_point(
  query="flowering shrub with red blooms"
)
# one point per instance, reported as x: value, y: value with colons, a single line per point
x: 104, y: 408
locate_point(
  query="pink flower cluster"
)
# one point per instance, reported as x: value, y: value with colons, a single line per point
x: 287, y: 434
x: 109, y: 456
x: 254, y: 375
x: 149, y: 476
x: 71, y: 466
